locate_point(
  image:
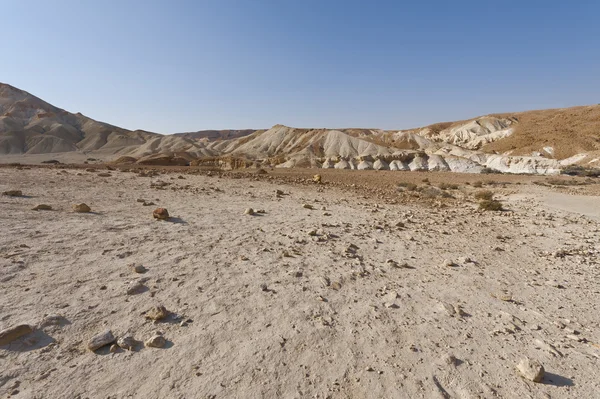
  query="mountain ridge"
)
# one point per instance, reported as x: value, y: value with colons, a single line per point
x: 540, y: 141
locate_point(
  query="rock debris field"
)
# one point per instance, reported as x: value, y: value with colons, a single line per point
x: 257, y: 288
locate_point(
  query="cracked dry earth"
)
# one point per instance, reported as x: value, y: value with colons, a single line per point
x: 351, y: 299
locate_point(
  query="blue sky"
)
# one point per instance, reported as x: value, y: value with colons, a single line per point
x: 174, y: 66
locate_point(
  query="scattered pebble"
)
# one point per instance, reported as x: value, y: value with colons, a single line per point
x: 12, y: 333
x: 157, y: 313
x: 128, y: 343
x: 42, y: 207
x: 156, y: 341
x: 101, y: 339
x: 531, y: 370
x: 81, y: 208
x: 160, y: 214
x: 13, y: 193
x: 139, y: 268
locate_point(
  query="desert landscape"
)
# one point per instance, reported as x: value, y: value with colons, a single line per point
x: 277, y: 283
x: 458, y: 260
x: 296, y: 199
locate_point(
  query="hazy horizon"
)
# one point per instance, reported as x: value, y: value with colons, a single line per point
x: 250, y: 65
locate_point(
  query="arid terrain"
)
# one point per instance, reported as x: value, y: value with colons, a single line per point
x: 543, y: 142
x: 374, y: 284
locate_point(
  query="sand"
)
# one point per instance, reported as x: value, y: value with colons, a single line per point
x: 371, y: 297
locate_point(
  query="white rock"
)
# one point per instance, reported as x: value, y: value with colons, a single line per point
x: 101, y: 339
x: 531, y: 369
x: 156, y: 341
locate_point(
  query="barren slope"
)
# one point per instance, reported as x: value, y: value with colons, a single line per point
x: 354, y: 301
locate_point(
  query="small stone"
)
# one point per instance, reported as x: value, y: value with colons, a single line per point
x: 317, y: 178
x: 128, y: 343
x: 575, y: 337
x: 448, y: 263
x: 81, y: 208
x: 100, y: 340
x: 135, y: 287
x: 249, y: 211
x: 160, y: 214
x: 12, y: 333
x: 13, y: 193
x: 307, y: 206
x: 264, y: 287
x: 52, y: 320
x: 156, y: 341
x: 459, y: 311
x: 103, y: 174
x: 449, y: 359
x: 140, y: 200
x: 42, y: 207
x: 531, y: 369
x: 554, y: 283
x: 139, y: 268
x: 450, y: 311
x: 157, y: 313
x: 505, y: 296
x: 279, y: 192
x: 336, y: 285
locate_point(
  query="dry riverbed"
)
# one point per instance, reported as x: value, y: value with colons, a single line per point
x: 322, y: 291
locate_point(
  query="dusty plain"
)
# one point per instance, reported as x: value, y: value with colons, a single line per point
x: 378, y: 291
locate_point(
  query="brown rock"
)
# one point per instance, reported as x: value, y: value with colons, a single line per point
x: 42, y: 207
x: 12, y: 333
x: 128, y: 343
x: 157, y: 313
x: 156, y: 341
x: 13, y: 193
x: 81, y: 208
x: 138, y: 268
x: 160, y: 214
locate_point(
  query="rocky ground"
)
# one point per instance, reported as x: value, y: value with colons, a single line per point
x: 330, y: 290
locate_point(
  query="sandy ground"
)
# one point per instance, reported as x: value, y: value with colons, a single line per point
x: 355, y: 300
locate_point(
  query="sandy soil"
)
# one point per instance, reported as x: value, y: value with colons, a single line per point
x: 356, y: 300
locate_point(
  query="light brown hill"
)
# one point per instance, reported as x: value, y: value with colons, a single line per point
x: 569, y: 131
x: 510, y: 142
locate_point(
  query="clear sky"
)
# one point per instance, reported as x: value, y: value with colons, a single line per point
x: 174, y: 66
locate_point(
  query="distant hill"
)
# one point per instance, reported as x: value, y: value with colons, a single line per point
x: 524, y: 142
x: 212, y: 135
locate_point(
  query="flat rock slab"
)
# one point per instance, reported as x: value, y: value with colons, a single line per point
x: 12, y: 333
